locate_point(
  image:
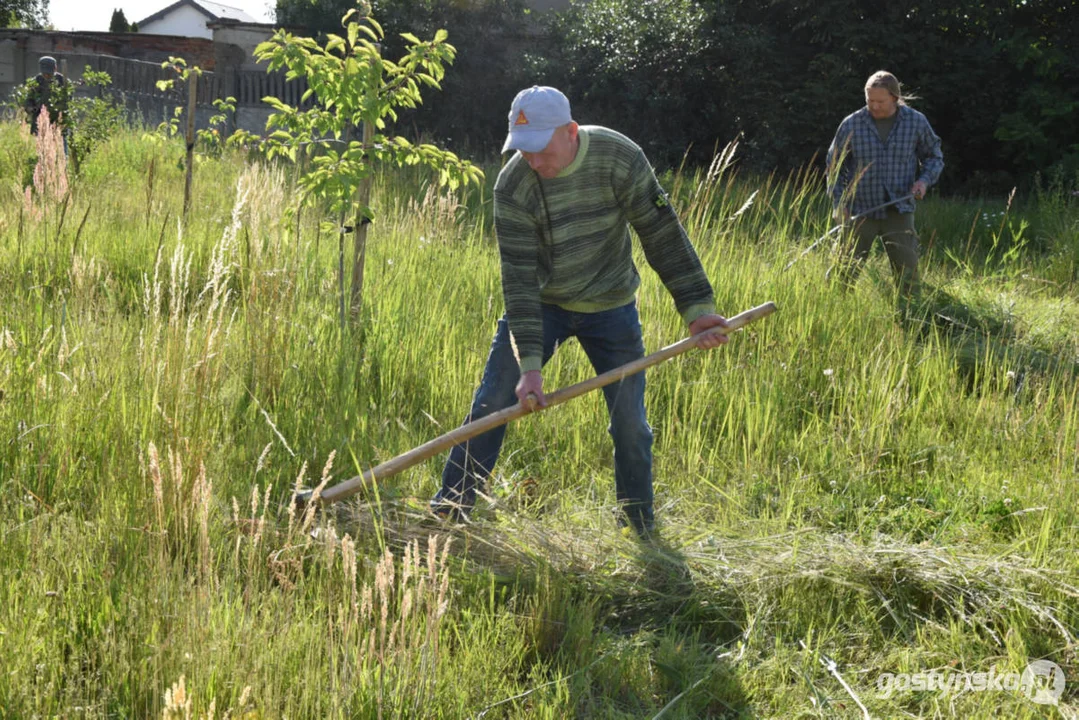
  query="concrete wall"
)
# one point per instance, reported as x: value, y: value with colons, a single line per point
x: 20, y: 49
x: 10, y: 73
x: 134, y: 77
x: 184, y: 20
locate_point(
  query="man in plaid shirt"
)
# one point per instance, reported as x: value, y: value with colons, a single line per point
x: 882, y: 153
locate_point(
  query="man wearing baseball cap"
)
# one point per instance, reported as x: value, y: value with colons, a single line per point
x: 46, y: 90
x: 564, y: 204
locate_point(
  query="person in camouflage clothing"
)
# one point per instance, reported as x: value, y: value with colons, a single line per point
x: 48, y: 89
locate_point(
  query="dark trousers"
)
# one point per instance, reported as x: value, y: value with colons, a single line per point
x: 610, y: 339
x: 896, y: 231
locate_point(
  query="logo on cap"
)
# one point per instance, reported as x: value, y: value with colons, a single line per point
x: 534, y: 116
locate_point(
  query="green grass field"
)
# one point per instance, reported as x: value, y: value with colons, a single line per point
x: 889, y: 487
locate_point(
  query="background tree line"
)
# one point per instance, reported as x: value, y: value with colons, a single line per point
x: 998, y: 79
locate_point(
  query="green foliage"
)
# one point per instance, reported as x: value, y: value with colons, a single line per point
x: 23, y: 13
x: 92, y: 119
x: 167, y: 129
x: 212, y: 140
x: 498, y: 51
x: 351, y: 85
x: 615, y: 39
x: 209, y: 140
x: 170, y: 128
x: 30, y: 97
x: 1038, y: 130
x: 642, y: 68
x: 181, y: 72
x: 780, y: 74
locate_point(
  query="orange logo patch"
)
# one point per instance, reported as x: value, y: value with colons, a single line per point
x: 521, y: 119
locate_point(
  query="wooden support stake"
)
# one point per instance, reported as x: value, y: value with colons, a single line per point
x: 192, y: 97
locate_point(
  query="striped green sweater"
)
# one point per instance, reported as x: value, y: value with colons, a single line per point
x: 566, y: 241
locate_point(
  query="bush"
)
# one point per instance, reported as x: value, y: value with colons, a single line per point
x: 92, y: 120
x: 495, y: 59
x: 781, y: 74
x: 651, y: 70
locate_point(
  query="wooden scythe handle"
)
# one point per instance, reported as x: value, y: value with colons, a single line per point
x: 470, y: 430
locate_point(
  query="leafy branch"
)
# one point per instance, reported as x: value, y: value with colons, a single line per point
x: 349, y: 86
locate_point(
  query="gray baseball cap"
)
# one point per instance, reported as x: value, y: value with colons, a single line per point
x: 47, y: 64
x: 534, y: 116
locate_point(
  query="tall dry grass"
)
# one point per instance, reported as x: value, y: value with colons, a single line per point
x: 884, y: 486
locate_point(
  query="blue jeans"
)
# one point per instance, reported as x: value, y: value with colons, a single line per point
x: 610, y: 339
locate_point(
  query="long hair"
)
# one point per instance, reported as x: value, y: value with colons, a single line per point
x: 884, y: 79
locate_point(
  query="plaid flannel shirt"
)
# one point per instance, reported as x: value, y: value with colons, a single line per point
x: 882, y: 171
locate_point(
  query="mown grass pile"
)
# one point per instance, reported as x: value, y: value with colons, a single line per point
x: 887, y: 486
